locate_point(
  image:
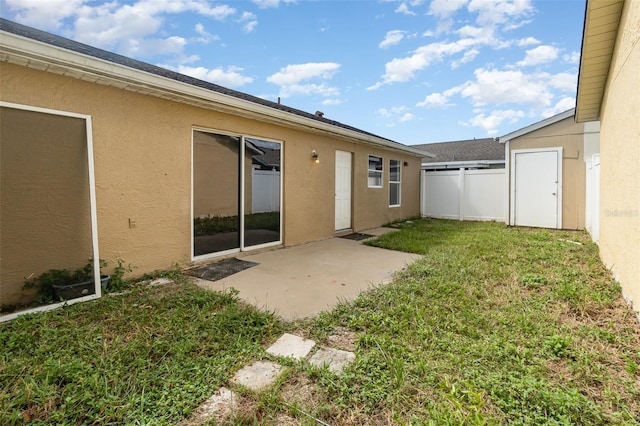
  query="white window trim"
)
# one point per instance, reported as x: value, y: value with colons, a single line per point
x: 242, y: 247
x: 381, y: 172
x: 398, y: 182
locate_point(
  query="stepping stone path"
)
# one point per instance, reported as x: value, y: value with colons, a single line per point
x: 258, y: 375
x: 262, y: 374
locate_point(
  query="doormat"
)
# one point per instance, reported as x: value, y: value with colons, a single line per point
x: 357, y: 236
x: 219, y: 270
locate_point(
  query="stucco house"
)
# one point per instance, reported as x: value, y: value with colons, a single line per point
x: 107, y: 157
x: 609, y: 91
x: 547, y: 173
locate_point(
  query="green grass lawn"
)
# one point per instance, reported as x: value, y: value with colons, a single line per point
x: 495, y: 325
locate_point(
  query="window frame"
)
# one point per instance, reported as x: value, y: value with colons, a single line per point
x: 378, y: 175
x: 394, y: 183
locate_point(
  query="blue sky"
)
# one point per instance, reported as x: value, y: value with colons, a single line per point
x: 414, y: 71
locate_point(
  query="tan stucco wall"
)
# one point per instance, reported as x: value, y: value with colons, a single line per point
x: 45, y: 210
x: 142, y: 147
x: 568, y: 135
x: 620, y: 158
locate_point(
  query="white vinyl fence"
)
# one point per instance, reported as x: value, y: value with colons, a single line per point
x: 592, y: 198
x: 464, y: 194
x: 265, y: 194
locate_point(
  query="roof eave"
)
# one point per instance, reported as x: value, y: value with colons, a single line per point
x: 32, y: 53
x: 599, y: 35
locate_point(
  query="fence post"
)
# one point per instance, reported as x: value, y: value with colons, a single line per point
x: 461, y: 194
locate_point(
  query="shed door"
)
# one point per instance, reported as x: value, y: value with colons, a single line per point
x: 343, y: 190
x: 537, y: 188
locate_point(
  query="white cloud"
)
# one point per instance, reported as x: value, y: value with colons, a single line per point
x: 400, y: 70
x: 529, y: 41
x: 392, y: 38
x: 205, y: 37
x: 508, y: 87
x: 229, y: 77
x: 404, y: 10
x: 491, y: 123
x: 445, y: 8
x: 407, y: 117
x: 307, y: 90
x: 290, y: 78
x: 572, y: 58
x: 396, y: 114
x: 564, y: 81
x: 507, y: 12
x: 435, y: 100
x: 270, y: 4
x: 539, y: 55
x: 45, y: 14
x: 331, y: 102
x: 468, y: 56
x: 131, y: 28
x: 562, y: 105
x: 293, y: 74
x: 249, y: 21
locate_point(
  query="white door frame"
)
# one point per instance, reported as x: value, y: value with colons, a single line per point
x: 512, y: 182
x: 338, y: 153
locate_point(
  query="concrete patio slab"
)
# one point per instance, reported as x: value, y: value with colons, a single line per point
x: 289, y: 345
x: 336, y: 359
x: 257, y: 376
x: 301, y: 281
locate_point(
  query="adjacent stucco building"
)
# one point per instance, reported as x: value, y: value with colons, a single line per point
x: 157, y: 168
x: 609, y: 91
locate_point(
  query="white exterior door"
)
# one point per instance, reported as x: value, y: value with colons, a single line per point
x: 536, y: 188
x: 343, y: 190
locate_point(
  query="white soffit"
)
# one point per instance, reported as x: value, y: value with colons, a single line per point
x: 601, y: 22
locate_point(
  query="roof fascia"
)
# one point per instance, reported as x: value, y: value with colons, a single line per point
x: 463, y: 163
x: 539, y: 125
x: 33, y: 50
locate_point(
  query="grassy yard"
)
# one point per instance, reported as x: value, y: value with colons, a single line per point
x: 494, y: 325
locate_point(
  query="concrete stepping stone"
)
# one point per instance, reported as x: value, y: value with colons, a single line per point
x: 257, y: 376
x: 336, y: 359
x: 219, y: 406
x: 289, y: 345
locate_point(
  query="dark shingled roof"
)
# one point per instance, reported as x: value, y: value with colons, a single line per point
x: 485, y: 149
x: 64, y: 43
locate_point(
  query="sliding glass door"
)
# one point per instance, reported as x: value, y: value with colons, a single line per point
x: 236, y: 193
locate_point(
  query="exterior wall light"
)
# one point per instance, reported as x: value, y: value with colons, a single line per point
x: 315, y: 157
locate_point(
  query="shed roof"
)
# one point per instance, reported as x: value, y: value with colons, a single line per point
x: 485, y: 149
x: 28, y: 46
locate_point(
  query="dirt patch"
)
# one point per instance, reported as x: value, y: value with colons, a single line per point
x: 342, y: 338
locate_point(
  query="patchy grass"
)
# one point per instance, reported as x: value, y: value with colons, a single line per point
x: 495, y: 325
x: 150, y: 356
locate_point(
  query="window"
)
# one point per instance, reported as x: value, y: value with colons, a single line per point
x: 395, y: 182
x: 375, y: 172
